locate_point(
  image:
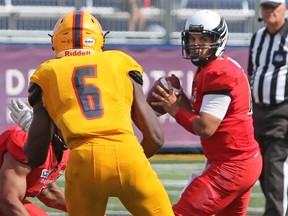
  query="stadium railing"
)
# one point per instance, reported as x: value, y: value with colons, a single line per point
x: 29, y: 21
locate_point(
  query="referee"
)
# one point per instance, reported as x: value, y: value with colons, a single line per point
x: 268, y: 72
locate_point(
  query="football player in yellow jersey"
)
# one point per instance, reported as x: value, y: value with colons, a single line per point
x: 94, y: 96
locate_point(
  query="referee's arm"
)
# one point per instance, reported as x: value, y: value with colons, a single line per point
x: 250, y: 63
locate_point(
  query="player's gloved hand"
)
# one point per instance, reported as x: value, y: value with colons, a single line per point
x: 21, y: 114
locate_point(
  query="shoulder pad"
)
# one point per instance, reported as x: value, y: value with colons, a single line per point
x: 34, y: 92
x: 136, y: 76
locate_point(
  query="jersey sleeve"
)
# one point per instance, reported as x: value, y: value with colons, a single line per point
x: 41, y: 76
x: 15, y: 145
x: 129, y: 64
x: 221, y: 81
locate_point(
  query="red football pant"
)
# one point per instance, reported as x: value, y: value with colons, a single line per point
x: 224, y: 189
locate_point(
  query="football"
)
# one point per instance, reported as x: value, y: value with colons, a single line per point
x: 163, y: 83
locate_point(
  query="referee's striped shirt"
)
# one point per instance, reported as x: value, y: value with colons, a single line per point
x: 268, y: 66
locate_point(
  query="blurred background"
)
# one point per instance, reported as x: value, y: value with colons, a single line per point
x: 148, y: 30
x: 30, y: 20
x: 151, y: 34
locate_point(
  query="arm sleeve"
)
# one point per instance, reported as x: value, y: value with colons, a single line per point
x: 34, y: 91
x: 129, y: 64
x: 216, y: 105
x: 250, y: 62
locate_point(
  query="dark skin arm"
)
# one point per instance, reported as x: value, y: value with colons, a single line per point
x: 146, y: 121
x: 39, y: 135
x: 13, y: 186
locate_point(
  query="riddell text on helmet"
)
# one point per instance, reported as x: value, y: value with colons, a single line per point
x: 77, y: 52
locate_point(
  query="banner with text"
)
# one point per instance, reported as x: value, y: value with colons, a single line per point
x: 18, y: 62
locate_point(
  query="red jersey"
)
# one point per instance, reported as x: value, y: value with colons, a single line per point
x: 234, y: 138
x: 12, y: 141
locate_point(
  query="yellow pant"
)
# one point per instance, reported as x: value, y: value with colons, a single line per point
x: 96, y: 172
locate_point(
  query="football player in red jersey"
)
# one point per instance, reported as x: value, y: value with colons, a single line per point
x: 18, y: 180
x: 220, y: 113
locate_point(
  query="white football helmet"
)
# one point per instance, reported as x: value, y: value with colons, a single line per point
x: 204, y: 22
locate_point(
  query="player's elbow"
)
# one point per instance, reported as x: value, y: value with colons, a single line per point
x: 204, y: 132
x: 152, y: 144
x: 206, y: 125
x: 34, y: 160
x: 158, y: 138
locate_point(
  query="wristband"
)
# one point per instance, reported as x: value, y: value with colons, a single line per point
x: 185, y: 118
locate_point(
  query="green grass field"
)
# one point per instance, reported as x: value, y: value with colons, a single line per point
x: 174, y: 171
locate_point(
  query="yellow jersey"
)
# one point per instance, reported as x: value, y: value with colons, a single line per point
x: 89, y: 96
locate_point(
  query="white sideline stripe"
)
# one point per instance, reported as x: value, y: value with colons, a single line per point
x: 256, y: 210
x: 182, y: 166
x: 174, y: 183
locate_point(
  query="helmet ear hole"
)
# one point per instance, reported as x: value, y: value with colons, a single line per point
x: 51, y: 38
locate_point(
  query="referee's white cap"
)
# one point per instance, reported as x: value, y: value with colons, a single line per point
x: 274, y: 3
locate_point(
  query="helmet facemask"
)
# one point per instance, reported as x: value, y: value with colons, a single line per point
x: 202, y: 53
